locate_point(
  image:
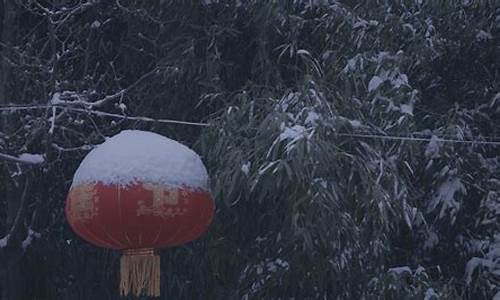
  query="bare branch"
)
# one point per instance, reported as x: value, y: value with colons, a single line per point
x: 15, y: 229
x: 22, y: 209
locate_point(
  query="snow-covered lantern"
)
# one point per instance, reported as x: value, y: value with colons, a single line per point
x: 139, y: 192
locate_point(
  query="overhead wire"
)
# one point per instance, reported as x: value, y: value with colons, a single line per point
x: 491, y: 140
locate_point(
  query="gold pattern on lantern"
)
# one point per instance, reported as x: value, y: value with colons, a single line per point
x: 83, y: 207
x: 163, y: 200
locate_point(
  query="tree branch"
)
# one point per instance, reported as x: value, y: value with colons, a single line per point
x: 25, y: 158
x: 22, y: 210
x: 56, y: 100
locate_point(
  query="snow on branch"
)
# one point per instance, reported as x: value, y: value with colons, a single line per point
x: 80, y: 148
x: 24, y: 158
x: 143, y: 119
x: 32, y: 235
x: 73, y: 98
x: 13, y: 108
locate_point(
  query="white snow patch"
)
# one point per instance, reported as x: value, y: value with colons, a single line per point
x: 357, y: 62
x: 31, y: 158
x: 95, y: 24
x: 245, y: 168
x: 483, y: 35
x: 497, y: 296
x: 288, y: 100
x: 430, y: 294
x: 374, y: 83
x: 355, y: 123
x: 471, y: 266
x: 431, y: 241
x: 312, y: 118
x: 140, y: 156
x: 292, y: 133
x: 122, y: 107
x: 488, y: 263
x: 401, y: 270
x: 29, y: 238
x: 398, y: 79
x: 56, y: 98
x: 432, y: 149
x: 407, y: 109
x: 445, y: 195
x: 4, y: 241
x: 303, y: 52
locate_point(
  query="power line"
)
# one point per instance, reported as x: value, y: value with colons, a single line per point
x: 441, y: 139
x: 143, y: 119
x: 100, y: 113
x: 417, y: 139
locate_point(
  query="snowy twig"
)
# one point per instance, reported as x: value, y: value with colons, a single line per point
x: 28, y: 159
x: 81, y: 148
x: 56, y: 98
x: 53, y: 120
x: 15, y: 107
x: 100, y: 113
x: 144, y: 119
x: 29, y: 238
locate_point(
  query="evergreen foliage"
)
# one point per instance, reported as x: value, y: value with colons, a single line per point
x: 309, y: 204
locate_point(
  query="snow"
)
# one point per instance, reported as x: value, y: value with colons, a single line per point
x: 398, y: 79
x: 483, y: 35
x: 357, y: 62
x: 497, y: 296
x: 407, y: 109
x: 31, y: 158
x: 245, y: 168
x: 56, y: 98
x: 29, y: 238
x: 488, y: 263
x: 303, y: 52
x: 374, y: 83
x: 288, y: 100
x: 355, y: 123
x: 430, y: 294
x: 471, y: 266
x: 431, y: 241
x: 122, y: 107
x: 445, y: 195
x: 394, y: 77
x: 132, y: 156
x: 401, y: 270
x: 4, y: 241
x: 95, y: 24
x: 292, y: 133
x: 312, y: 118
x: 432, y: 149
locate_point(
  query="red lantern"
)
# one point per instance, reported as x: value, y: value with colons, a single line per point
x: 139, y: 192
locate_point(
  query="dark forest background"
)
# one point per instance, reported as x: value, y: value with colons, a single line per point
x: 309, y: 204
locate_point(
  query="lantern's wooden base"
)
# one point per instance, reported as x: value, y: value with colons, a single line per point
x: 140, y: 273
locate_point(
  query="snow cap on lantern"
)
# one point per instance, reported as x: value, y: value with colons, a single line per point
x: 137, y: 192
x: 140, y: 156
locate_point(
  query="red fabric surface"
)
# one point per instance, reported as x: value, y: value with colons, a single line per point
x: 139, y: 215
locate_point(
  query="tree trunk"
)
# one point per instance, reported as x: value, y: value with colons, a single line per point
x: 8, y: 27
x: 12, y: 283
